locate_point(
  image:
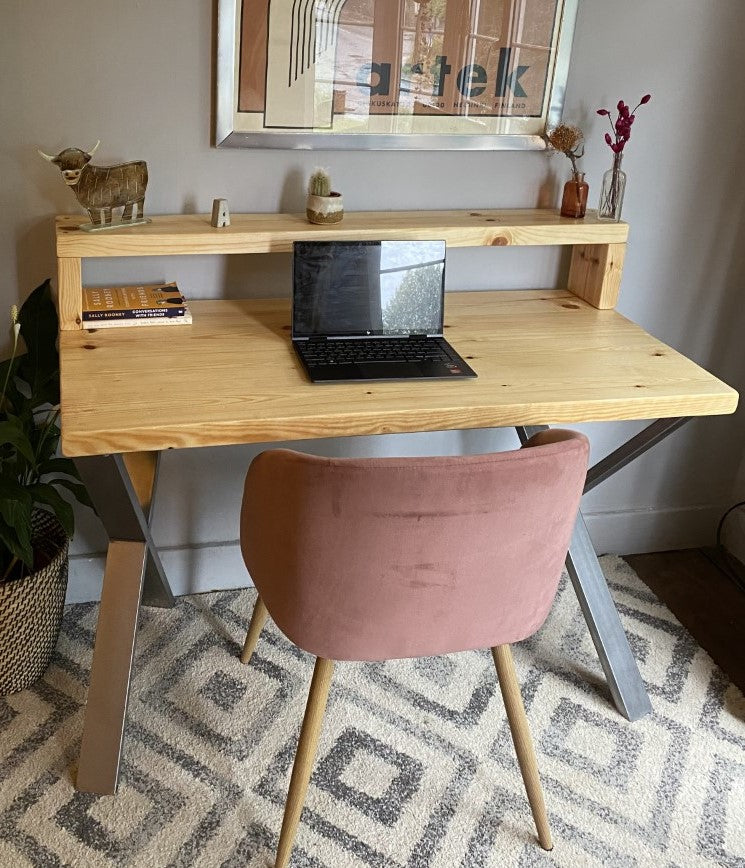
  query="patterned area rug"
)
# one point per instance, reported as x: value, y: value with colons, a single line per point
x: 415, y: 767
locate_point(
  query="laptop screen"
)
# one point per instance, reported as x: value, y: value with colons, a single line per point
x: 353, y: 288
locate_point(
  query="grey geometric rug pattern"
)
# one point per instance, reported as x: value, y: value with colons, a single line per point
x: 415, y: 766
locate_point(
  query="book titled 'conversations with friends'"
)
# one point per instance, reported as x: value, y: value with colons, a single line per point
x: 160, y: 304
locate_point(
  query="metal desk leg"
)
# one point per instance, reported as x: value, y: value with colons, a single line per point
x: 142, y: 469
x: 624, y: 681
x: 622, y: 673
x: 108, y: 691
x: 123, y: 502
x: 632, y: 449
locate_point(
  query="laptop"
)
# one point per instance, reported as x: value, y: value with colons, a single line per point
x: 371, y: 310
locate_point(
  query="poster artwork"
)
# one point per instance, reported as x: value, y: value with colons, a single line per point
x: 396, y: 66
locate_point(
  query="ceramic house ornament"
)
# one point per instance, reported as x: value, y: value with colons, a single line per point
x: 99, y: 189
x: 220, y: 213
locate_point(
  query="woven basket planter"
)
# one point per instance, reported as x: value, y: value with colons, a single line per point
x: 31, y: 610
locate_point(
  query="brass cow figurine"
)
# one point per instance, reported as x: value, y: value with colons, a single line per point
x: 101, y: 188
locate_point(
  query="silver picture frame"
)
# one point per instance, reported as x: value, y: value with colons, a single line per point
x: 228, y: 133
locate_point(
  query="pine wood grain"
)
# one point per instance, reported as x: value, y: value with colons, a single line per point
x: 595, y: 273
x: 543, y: 356
x: 271, y: 233
x: 69, y: 292
x: 142, y: 468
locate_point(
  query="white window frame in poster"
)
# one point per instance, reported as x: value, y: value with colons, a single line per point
x: 298, y: 106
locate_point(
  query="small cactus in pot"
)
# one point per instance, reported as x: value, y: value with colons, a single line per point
x: 324, y: 205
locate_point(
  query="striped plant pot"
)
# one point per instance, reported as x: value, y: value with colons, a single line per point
x: 31, y: 610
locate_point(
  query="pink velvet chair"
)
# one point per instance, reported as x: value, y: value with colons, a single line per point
x: 375, y: 559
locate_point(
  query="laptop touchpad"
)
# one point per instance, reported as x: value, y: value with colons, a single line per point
x: 388, y: 370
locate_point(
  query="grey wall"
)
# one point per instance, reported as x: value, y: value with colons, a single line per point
x: 139, y: 76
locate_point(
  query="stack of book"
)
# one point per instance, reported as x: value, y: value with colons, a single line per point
x: 160, y: 304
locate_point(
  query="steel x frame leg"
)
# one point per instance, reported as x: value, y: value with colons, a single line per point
x: 122, y: 488
x: 624, y: 681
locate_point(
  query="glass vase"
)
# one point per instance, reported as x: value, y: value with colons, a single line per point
x: 612, y: 190
x: 574, y: 200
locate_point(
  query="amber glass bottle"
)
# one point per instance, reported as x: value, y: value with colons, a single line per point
x: 574, y: 200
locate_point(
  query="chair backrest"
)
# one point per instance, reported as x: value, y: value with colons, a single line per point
x: 373, y: 559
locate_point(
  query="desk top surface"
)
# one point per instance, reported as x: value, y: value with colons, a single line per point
x: 542, y: 356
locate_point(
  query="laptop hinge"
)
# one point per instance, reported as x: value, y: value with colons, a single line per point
x: 316, y: 339
x: 418, y: 337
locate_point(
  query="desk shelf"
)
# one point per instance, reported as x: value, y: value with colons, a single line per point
x: 595, y: 272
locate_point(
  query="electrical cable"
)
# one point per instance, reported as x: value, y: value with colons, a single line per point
x: 721, y: 521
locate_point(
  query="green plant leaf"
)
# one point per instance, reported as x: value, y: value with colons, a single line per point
x: 66, y: 466
x: 16, y: 538
x: 15, y: 501
x: 4, y: 365
x: 8, y: 369
x: 12, y: 431
x: 8, y: 544
x: 39, y: 326
x: 17, y: 404
x: 47, y: 438
x: 62, y: 465
x: 43, y: 492
x: 78, y: 490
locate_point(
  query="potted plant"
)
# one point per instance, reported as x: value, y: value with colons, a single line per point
x: 324, y: 205
x: 36, y: 522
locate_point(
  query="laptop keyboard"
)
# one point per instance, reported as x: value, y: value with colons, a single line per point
x: 335, y: 352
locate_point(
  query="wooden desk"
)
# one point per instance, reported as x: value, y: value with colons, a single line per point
x: 232, y: 377
x: 559, y: 356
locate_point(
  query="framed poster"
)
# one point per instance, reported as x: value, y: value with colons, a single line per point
x: 425, y: 74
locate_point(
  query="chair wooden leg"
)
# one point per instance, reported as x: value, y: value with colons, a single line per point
x: 304, y: 757
x: 258, y: 619
x: 521, y: 737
